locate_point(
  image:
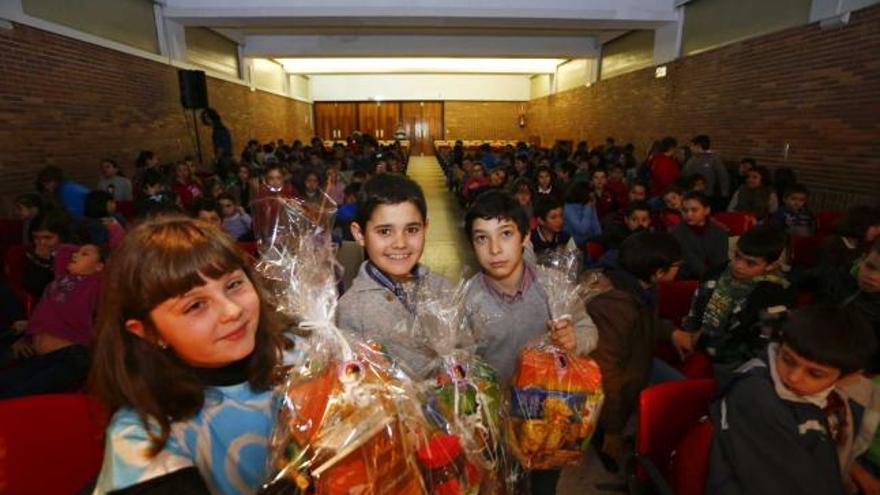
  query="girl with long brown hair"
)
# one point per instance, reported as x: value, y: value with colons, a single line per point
x: 186, y: 356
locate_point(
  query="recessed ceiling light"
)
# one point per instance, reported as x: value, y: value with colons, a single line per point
x: 420, y: 65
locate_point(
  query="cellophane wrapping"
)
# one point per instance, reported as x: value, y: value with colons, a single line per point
x: 350, y: 421
x: 464, y: 398
x: 556, y: 396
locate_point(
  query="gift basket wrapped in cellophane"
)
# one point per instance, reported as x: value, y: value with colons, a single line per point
x: 350, y: 421
x: 463, y: 399
x: 556, y: 396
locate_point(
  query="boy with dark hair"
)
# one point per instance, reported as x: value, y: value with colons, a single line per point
x: 705, y: 244
x: 207, y: 210
x: 781, y: 426
x: 727, y: 307
x: 794, y: 215
x: 629, y: 329
x: 857, y: 288
x: 604, y: 200
x: 391, y: 223
x: 549, y: 234
x: 506, y: 307
x: 154, y: 198
x: 236, y: 221
x: 669, y: 214
x: 636, y: 217
x: 705, y: 162
x: 617, y: 185
x: 565, y: 173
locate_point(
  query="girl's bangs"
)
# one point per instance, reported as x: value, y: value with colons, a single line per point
x: 179, y: 257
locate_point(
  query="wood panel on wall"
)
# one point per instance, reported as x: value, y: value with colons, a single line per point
x: 388, y: 119
x: 70, y: 103
x: 423, y: 123
x: 817, y: 90
x: 335, y: 120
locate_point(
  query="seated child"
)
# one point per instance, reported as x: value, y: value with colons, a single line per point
x: 347, y: 211
x: 185, y: 187
x: 629, y: 329
x: 155, y: 199
x: 565, y: 173
x: 617, y: 186
x: 475, y: 182
x: 728, y: 305
x: 545, y: 183
x: 48, y: 230
x: 857, y: 289
x: 669, y: 215
x: 60, y: 331
x: 236, y: 222
x: 391, y: 225
x: 28, y: 206
x: 794, y: 215
x: 100, y: 224
x: 549, y: 235
x: 704, y: 244
x: 756, y: 196
x: 605, y: 201
x: 114, y: 183
x: 206, y: 209
x: 522, y: 191
x: 637, y: 192
x: 579, y: 214
x: 506, y: 308
x: 853, y: 236
x: 636, y: 218
x: 780, y: 425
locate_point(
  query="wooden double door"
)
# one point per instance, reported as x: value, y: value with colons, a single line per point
x: 422, y: 121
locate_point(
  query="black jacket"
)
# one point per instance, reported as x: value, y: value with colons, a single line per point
x: 764, y: 444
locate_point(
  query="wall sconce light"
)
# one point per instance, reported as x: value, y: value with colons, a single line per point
x: 522, y: 116
x: 660, y: 72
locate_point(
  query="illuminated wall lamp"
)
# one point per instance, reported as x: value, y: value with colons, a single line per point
x: 660, y: 72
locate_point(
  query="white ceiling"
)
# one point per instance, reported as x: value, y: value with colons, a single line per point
x: 550, y: 29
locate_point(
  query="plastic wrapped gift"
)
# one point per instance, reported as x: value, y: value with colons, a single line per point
x: 350, y: 420
x: 556, y: 397
x: 464, y: 399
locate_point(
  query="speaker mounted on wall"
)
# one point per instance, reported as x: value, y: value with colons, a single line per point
x: 193, y: 89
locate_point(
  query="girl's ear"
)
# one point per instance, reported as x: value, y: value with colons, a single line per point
x: 136, y: 327
x: 357, y: 233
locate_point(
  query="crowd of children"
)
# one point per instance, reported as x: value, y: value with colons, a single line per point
x: 181, y: 342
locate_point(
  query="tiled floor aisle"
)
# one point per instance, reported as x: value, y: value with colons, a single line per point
x: 447, y: 252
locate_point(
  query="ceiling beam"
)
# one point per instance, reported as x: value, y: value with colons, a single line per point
x: 590, y: 14
x: 420, y: 46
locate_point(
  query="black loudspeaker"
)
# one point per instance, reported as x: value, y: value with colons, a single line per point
x: 193, y: 88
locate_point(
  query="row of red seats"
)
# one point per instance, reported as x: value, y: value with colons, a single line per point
x: 672, y: 443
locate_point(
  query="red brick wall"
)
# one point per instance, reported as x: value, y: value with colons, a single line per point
x: 472, y: 120
x: 818, y: 90
x: 70, y: 103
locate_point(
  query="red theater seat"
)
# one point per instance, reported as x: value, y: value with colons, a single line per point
x: 126, y: 209
x: 825, y: 221
x: 805, y: 250
x: 50, y: 443
x: 669, y: 417
x: 594, y: 250
x: 674, y: 299
x: 737, y: 223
